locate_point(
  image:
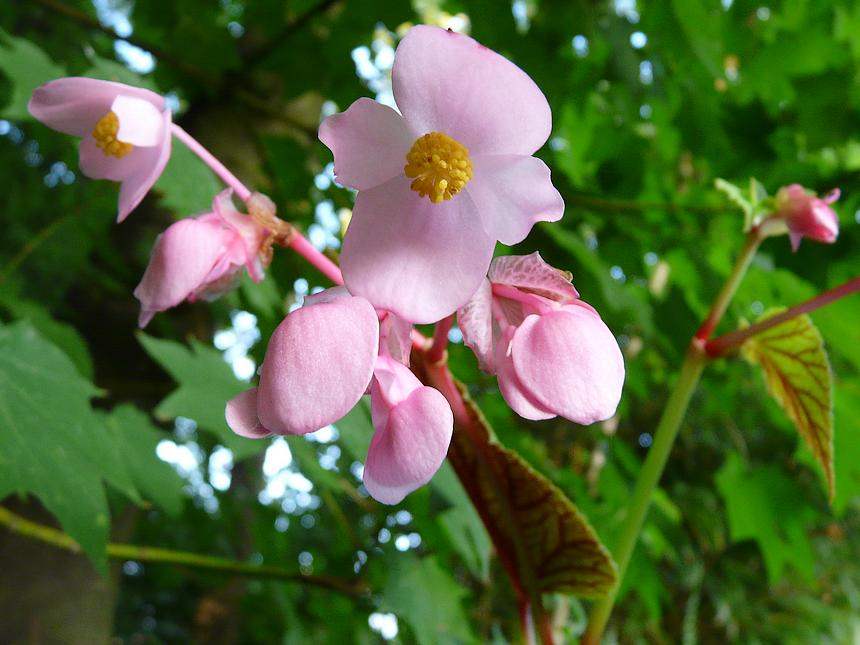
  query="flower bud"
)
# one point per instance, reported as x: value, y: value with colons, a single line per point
x: 807, y: 215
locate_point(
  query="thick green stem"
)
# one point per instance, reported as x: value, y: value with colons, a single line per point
x: 61, y: 540
x: 649, y: 477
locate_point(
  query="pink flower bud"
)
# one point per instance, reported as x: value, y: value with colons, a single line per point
x: 320, y: 361
x: 807, y: 215
x: 200, y: 257
x: 124, y: 130
x: 413, y: 426
x: 551, y: 352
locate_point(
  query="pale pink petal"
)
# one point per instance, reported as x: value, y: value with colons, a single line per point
x: 140, y: 122
x: 530, y: 273
x: 95, y: 164
x: 515, y: 394
x: 412, y: 435
x: 250, y: 234
x: 74, y: 105
x: 418, y: 259
x: 395, y: 337
x: 317, y: 366
x: 446, y: 82
x: 512, y: 193
x: 571, y: 363
x: 241, y: 415
x: 153, y: 160
x: 332, y: 294
x: 182, y: 258
x: 369, y: 142
x: 475, y: 319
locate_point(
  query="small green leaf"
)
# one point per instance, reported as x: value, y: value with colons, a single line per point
x: 27, y: 67
x: 544, y: 541
x: 426, y: 595
x: 764, y: 505
x: 156, y: 480
x: 797, y: 373
x: 206, y: 383
x: 736, y: 196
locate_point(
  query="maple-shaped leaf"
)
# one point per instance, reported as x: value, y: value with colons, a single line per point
x: 542, y: 539
x: 798, y: 376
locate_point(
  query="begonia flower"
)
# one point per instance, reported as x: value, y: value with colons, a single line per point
x: 807, y: 215
x: 201, y: 258
x: 551, y: 352
x: 445, y: 178
x: 124, y: 131
x: 320, y: 361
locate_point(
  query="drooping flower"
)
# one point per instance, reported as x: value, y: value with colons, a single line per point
x: 320, y: 361
x: 124, y: 131
x: 551, y: 352
x: 201, y: 258
x: 440, y: 182
x: 807, y: 215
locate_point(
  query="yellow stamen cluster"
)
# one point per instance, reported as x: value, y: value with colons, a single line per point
x: 439, y: 166
x: 105, y: 136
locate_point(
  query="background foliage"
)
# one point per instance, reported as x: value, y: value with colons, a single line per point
x: 121, y: 436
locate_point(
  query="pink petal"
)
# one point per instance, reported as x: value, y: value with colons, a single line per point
x: 249, y: 234
x: 409, y: 447
x: 241, y: 415
x: 140, y: 122
x: 531, y: 273
x: 135, y: 187
x: 515, y: 394
x: 446, y: 82
x: 317, y: 366
x: 332, y: 294
x: 74, y: 105
x: 511, y: 193
x: 182, y: 258
x: 571, y: 363
x: 369, y: 142
x: 410, y: 256
x: 476, y: 322
x: 395, y: 338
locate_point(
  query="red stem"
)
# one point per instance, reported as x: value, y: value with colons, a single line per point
x: 729, y: 342
x: 440, y: 339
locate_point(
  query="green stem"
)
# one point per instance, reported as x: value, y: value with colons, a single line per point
x: 61, y: 540
x: 721, y: 303
x: 649, y: 477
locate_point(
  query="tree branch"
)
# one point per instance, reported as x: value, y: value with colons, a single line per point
x: 62, y: 540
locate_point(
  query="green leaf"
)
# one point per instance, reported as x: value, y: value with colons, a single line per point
x: 27, y: 67
x: 764, y: 505
x: 187, y: 185
x: 51, y: 442
x: 737, y: 197
x: 423, y: 593
x: 206, y: 383
x: 542, y: 539
x: 797, y: 373
x: 156, y: 480
x: 846, y: 446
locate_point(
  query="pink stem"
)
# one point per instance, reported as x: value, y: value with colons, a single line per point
x: 298, y: 242
x: 209, y: 159
x: 724, y: 344
x: 440, y: 339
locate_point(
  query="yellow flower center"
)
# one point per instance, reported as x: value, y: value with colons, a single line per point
x: 105, y: 136
x: 439, y: 166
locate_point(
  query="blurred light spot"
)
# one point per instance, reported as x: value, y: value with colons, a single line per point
x: 328, y: 108
x: 282, y: 523
x: 645, y: 440
x: 237, y: 30
x: 384, y: 536
x: 136, y: 59
x: 520, y: 10
x: 727, y: 4
x: 401, y: 543
x: 403, y: 517
x: 132, y: 568
x: 308, y: 521
x: 455, y: 335
x: 384, y: 624
x: 323, y: 435
x: 220, y: 467
x: 305, y: 559
x: 627, y: 9
x: 763, y: 13
x: 414, y: 540
x: 580, y: 45
x: 645, y: 111
x: 651, y: 258
x: 646, y: 72
x: 757, y: 308
x: 617, y: 273
x: 638, y: 39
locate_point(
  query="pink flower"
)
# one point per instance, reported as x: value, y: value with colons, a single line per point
x: 201, y: 257
x: 807, y: 215
x: 320, y: 361
x: 125, y: 131
x: 445, y: 178
x: 551, y: 352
